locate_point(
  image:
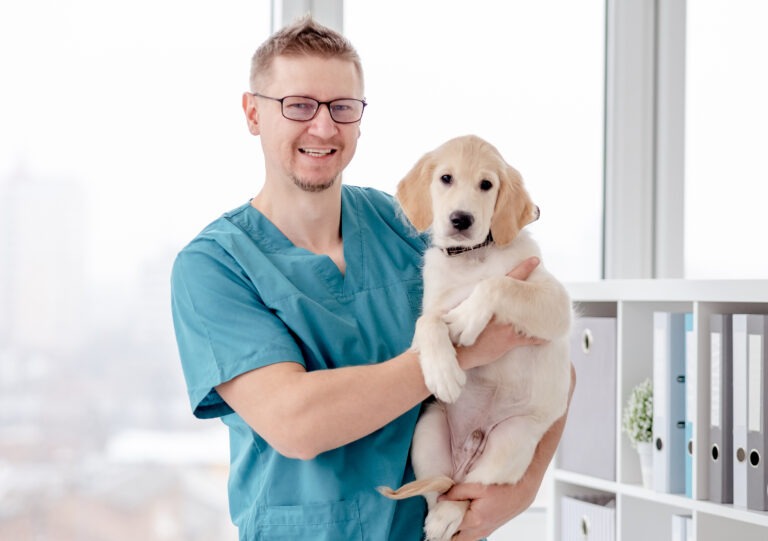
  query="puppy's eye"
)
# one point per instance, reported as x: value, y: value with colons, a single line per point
x: 486, y: 185
x: 446, y: 179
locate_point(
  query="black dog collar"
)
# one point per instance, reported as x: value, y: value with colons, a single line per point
x: 456, y: 250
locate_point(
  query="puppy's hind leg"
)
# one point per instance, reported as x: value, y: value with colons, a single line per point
x: 431, y: 449
x: 444, y: 519
x: 508, y: 452
x: 432, y: 458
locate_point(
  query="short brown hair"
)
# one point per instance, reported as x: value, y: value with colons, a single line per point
x: 305, y: 37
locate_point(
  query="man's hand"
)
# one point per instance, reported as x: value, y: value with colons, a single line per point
x: 491, y: 506
x: 524, y: 269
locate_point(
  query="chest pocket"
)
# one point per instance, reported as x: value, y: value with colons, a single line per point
x: 335, y: 521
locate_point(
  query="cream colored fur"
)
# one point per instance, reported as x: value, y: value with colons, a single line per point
x: 528, y: 388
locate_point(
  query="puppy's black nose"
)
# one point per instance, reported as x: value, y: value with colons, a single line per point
x: 461, y: 220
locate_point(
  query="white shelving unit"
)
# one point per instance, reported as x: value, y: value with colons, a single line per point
x: 642, y: 514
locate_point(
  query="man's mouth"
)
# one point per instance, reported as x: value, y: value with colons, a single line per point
x: 317, y: 152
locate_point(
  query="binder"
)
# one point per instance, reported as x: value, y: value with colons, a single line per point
x: 588, y: 443
x: 669, y: 360
x: 739, y: 455
x: 690, y: 401
x: 757, y: 435
x: 590, y: 517
x: 682, y: 527
x: 720, y: 461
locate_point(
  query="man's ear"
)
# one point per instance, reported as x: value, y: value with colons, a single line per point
x: 251, y: 113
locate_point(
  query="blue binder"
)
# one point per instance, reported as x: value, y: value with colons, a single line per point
x: 669, y: 360
x: 690, y: 402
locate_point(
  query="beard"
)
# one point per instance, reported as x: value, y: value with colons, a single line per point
x: 313, y: 187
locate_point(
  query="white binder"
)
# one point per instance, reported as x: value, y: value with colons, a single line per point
x: 740, y: 410
x: 757, y: 435
x: 588, y: 444
x: 682, y: 528
x: 588, y: 518
x: 669, y: 402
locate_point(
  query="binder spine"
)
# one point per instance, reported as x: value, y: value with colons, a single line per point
x: 720, y: 450
x: 757, y: 383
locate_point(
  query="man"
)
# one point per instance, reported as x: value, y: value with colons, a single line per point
x: 294, y: 314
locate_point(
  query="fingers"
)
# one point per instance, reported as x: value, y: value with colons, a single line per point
x: 462, y: 491
x: 519, y: 339
x: 524, y: 269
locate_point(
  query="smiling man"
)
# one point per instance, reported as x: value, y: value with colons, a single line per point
x: 294, y: 314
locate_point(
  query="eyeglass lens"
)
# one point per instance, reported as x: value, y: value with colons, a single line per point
x: 342, y: 111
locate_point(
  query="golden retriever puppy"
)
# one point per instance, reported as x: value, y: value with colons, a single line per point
x: 486, y: 423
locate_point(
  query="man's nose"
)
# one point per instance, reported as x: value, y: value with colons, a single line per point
x: 322, y: 124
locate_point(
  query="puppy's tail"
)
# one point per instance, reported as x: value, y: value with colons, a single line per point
x: 419, y: 487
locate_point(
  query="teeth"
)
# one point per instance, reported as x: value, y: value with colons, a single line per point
x: 316, y: 152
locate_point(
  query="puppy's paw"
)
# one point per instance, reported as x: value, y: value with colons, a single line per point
x: 467, y: 321
x: 443, y: 376
x: 444, y: 519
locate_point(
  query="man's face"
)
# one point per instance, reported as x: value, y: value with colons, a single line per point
x: 311, y: 154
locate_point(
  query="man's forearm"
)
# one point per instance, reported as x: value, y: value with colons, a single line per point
x: 302, y: 414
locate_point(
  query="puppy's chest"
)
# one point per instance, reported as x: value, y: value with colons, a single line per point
x: 450, y: 280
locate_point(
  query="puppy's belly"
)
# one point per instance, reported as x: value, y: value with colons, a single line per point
x: 473, y: 417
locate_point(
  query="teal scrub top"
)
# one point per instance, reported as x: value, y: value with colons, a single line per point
x: 243, y: 297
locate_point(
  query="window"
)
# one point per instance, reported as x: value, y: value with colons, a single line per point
x: 726, y: 139
x: 526, y: 76
x: 121, y: 132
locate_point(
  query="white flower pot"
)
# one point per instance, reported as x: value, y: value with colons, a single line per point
x: 644, y: 451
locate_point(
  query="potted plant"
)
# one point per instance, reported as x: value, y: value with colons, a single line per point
x: 637, y: 422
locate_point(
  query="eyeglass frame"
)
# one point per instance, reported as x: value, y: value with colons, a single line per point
x: 319, y: 103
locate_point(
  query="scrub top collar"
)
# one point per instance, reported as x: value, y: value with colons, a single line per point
x: 271, y: 239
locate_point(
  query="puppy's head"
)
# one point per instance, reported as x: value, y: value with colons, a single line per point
x: 464, y: 189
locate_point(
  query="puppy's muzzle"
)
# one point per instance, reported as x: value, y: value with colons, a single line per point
x: 461, y: 220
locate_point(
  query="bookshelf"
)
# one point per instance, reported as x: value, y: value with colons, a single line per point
x: 640, y: 513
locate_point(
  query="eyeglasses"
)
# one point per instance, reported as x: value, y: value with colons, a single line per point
x: 302, y: 109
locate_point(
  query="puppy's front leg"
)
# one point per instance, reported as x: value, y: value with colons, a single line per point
x: 467, y: 320
x: 442, y: 373
x: 537, y: 307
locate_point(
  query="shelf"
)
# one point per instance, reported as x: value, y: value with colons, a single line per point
x: 642, y: 513
x: 671, y: 290
x: 673, y: 500
x: 586, y: 481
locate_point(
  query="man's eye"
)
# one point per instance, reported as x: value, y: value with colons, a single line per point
x: 341, y: 108
x: 300, y: 106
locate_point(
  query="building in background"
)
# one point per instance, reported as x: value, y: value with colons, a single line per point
x: 42, y: 267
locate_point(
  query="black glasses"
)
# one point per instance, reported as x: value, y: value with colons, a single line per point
x: 302, y: 109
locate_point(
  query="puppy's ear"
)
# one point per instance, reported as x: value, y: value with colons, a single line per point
x: 514, y: 208
x: 413, y: 193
